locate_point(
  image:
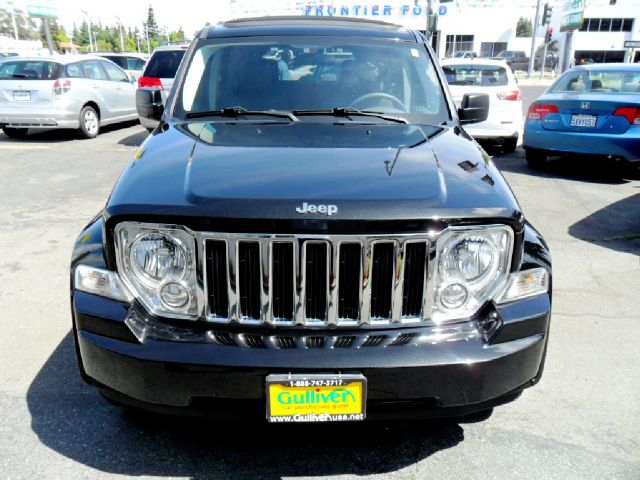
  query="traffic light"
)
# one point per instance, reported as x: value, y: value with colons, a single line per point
x: 546, y: 14
x: 547, y: 36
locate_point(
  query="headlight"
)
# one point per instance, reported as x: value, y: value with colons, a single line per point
x: 472, y: 264
x: 158, y: 264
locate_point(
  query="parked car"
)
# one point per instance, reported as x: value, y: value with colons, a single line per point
x: 592, y: 109
x: 516, y: 59
x: 465, y: 54
x: 495, y: 78
x: 551, y: 61
x: 158, y: 76
x: 311, y: 249
x: 132, y: 63
x: 66, y: 91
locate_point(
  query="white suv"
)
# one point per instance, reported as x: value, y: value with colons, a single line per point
x: 494, y: 77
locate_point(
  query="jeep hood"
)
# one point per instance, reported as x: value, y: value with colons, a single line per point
x: 265, y: 170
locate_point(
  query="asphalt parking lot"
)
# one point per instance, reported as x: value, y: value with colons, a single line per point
x: 582, y: 421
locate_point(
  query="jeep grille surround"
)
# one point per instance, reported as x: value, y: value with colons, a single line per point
x: 317, y: 281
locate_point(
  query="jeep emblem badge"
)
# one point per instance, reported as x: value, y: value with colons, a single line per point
x: 322, y: 209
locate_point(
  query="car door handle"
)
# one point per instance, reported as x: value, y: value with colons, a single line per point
x: 95, y: 85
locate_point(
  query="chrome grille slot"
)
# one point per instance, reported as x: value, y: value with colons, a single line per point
x: 217, y: 273
x: 282, y: 281
x: 349, y: 281
x: 249, y: 279
x: 316, y: 281
x: 381, y: 280
x: 414, y: 278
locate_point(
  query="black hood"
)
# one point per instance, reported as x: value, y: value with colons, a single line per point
x: 266, y: 170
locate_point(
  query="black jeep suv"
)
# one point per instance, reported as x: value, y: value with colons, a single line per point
x: 311, y: 235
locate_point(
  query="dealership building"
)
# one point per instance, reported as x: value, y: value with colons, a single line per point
x: 483, y: 26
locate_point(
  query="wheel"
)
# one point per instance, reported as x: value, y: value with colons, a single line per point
x: 15, y: 132
x: 509, y: 145
x: 535, y: 158
x: 89, y: 122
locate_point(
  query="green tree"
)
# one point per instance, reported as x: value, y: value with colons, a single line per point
x: 524, y: 27
x: 177, y: 36
x: 151, y: 25
x: 28, y: 29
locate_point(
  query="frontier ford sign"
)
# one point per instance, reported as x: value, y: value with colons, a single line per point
x: 408, y: 14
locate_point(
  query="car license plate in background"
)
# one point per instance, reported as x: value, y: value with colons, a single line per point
x: 583, y: 120
x: 22, y: 96
x: 316, y: 398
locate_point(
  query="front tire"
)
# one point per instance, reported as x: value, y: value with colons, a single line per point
x: 15, y: 132
x: 89, y: 122
x: 535, y: 158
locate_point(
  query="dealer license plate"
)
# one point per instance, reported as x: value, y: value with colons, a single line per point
x: 22, y: 96
x: 583, y: 121
x: 316, y: 398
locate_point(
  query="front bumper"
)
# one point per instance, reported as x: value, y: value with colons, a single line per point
x: 557, y: 142
x: 452, y: 370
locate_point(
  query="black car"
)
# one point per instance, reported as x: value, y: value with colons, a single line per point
x: 304, y: 246
x: 516, y: 59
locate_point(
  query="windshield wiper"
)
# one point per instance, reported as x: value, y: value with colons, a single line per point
x: 349, y: 112
x: 235, y: 112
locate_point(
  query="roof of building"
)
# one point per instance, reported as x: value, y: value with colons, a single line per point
x: 309, y: 26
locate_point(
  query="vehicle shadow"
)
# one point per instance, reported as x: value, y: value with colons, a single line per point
x: 134, y: 140
x: 616, y: 226
x: 73, y: 420
x: 580, y: 168
x: 63, y: 135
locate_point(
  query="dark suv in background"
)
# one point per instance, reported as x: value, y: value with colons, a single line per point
x: 159, y: 74
x: 310, y: 235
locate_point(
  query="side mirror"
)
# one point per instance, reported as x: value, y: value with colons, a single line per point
x: 474, y: 108
x: 149, y: 103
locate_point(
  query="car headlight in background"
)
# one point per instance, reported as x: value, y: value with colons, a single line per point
x: 158, y: 264
x: 472, y: 265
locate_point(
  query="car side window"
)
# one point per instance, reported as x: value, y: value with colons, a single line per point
x: 114, y: 73
x: 91, y: 69
x: 135, y: 63
x: 73, y: 70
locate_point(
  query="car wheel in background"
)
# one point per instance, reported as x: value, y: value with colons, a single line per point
x: 15, y: 132
x: 535, y: 158
x: 89, y: 122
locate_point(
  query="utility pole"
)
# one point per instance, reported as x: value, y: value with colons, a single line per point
x: 121, y: 36
x: 146, y: 34
x: 533, y: 40
x: 47, y: 34
x: 13, y: 19
x: 84, y: 12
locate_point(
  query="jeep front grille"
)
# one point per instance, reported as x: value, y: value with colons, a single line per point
x: 317, y: 281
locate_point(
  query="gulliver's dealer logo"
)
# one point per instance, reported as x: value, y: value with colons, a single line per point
x: 310, y: 397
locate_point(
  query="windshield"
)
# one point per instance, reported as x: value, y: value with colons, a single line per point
x: 306, y: 73
x: 478, y: 75
x: 600, y: 81
x: 29, y: 70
